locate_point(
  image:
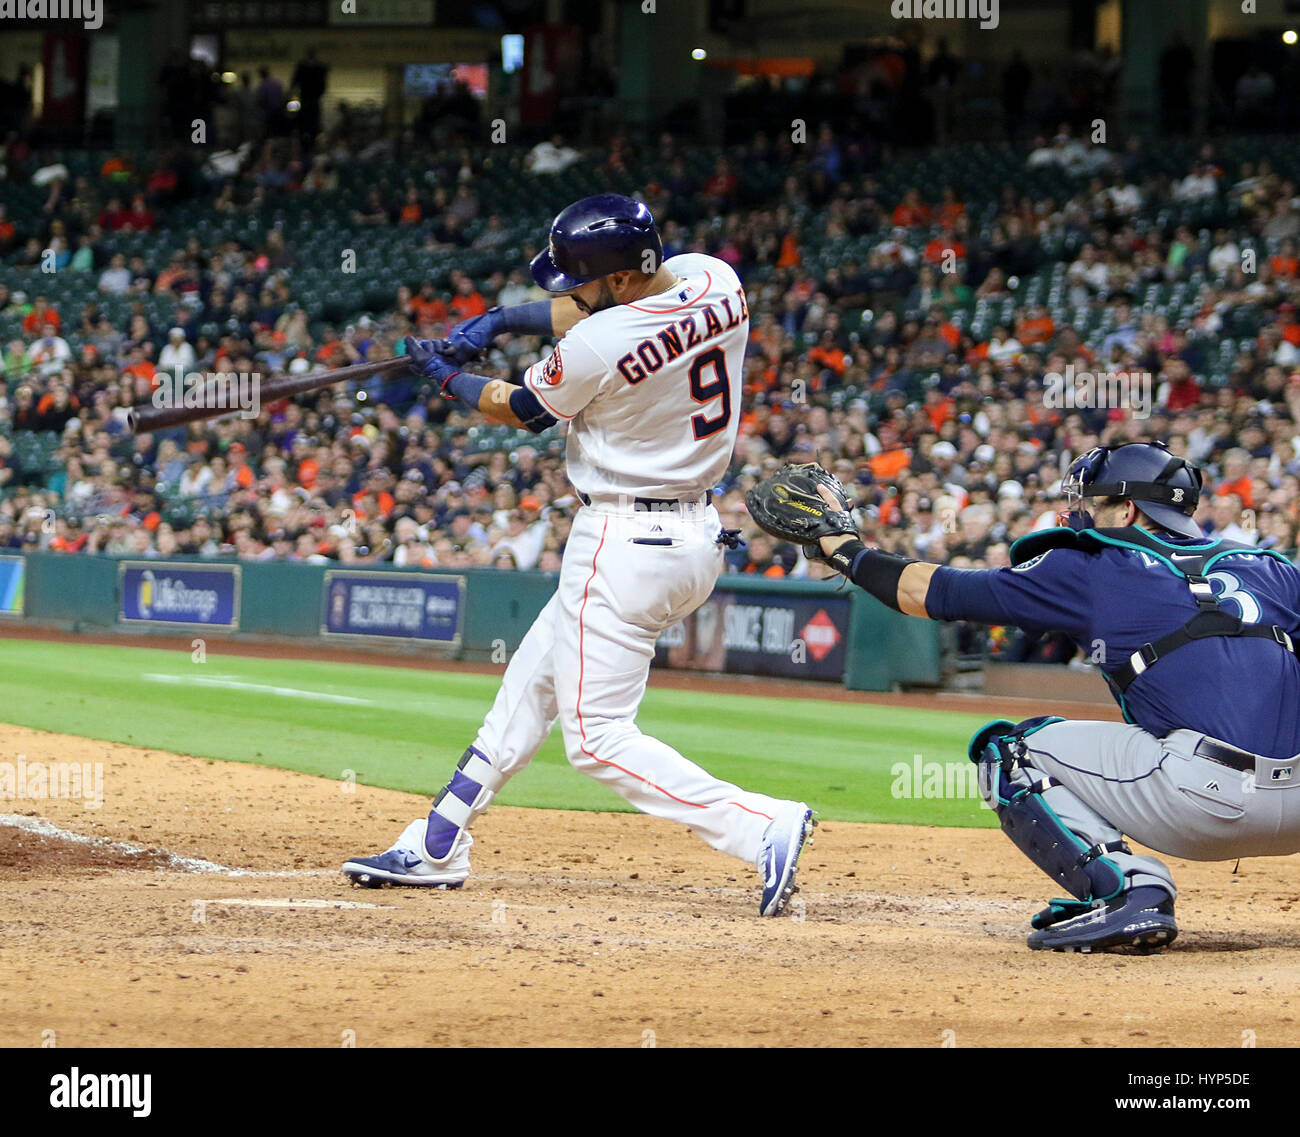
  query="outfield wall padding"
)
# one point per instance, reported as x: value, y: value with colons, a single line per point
x: 286, y: 600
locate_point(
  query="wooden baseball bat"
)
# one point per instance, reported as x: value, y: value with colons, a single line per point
x: 149, y: 416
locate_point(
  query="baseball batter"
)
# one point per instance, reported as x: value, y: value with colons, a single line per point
x: 647, y: 373
x: 1197, y: 639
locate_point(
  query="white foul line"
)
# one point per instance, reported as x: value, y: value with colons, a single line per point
x: 263, y: 688
x: 44, y: 828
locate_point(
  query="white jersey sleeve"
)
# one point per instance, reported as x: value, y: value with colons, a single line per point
x: 569, y: 378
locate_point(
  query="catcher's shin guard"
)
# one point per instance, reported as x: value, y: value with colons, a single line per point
x: 460, y: 801
x: 1016, y: 792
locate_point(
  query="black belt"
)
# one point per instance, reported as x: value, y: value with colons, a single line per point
x: 657, y: 502
x: 1225, y: 755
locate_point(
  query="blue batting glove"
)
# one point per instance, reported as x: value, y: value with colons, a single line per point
x: 428, y: 360
x: 472, y: 338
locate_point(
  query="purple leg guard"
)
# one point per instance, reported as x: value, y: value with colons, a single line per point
x: 460, y: 801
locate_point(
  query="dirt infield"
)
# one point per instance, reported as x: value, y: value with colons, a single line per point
x: 234, y: 929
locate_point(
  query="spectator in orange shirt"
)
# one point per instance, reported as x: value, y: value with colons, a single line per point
x: 1036, y: 411
x: 468, y: 301
x: 767, y: 558
x: 56, y: 407
x: 71, y: 538
x: 307, y: 472
x: 945, y: 248
x: 41, y: 314
x: 176, y: 271
x: 1236, y: 478
x: 241, y: 473
x: 1284, y: 262
x: 828, y: 354
x: 893, y: 457
x: 331, y: 352
x: 411, y: 212
x: 141, y: 367
x: 888, y: 464
x: 950, y: 208
x: 939, y: 408
x: 1038, y: 327
x: 767, y: 337
x: 427, y: 307
x: 911, y: 211
x: 374, y: 498
x: 1286, y: 323
x: 789, y: 257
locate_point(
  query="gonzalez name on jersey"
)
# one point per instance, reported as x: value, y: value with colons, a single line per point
x: 658, y: 420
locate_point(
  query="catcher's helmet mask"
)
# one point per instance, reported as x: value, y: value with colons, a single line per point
x: 594, y: 237
x: 1164, y: 487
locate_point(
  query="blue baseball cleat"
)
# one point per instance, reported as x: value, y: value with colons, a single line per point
x: 1140, y: 920
x: 408, y: 863
x: 783, y: 841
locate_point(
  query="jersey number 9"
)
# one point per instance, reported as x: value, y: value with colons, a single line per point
x: 719, y: 387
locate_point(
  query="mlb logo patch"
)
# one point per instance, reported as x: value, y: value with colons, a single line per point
x: 552, y: 369
x: 1282, y: 773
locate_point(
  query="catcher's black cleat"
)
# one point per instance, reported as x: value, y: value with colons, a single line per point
x: 1140, y: 920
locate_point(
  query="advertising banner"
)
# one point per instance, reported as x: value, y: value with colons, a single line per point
x: 12, y: 576
x: 161, y: 592
x: 417, y: 606
x: 799, y: 637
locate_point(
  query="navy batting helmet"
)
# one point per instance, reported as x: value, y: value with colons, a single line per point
x: 1165, y: 487
x: 596, y: 236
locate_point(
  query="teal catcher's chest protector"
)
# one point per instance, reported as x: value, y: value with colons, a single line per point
x: 1192, y: 562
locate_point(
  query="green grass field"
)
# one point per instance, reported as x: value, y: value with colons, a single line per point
x: 404, y: 729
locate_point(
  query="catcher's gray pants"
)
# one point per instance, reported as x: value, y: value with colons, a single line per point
x: 1118, y: 779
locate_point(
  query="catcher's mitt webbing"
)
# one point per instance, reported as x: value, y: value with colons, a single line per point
x: 788, y: 506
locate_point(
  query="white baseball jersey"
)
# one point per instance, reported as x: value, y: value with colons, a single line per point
x: 652, y: 389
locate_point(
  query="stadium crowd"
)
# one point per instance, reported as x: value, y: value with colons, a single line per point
x: 945, y: 423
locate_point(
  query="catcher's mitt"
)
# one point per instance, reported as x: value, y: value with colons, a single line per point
x: 788, y: 506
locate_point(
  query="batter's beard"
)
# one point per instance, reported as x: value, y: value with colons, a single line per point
x: 604, y: 299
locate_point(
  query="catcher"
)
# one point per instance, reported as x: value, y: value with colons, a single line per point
x: 1197, y: 640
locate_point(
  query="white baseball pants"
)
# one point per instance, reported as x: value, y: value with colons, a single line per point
x: 585, y: 662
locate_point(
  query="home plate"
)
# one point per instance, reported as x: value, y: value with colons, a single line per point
x: 241, y: 902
